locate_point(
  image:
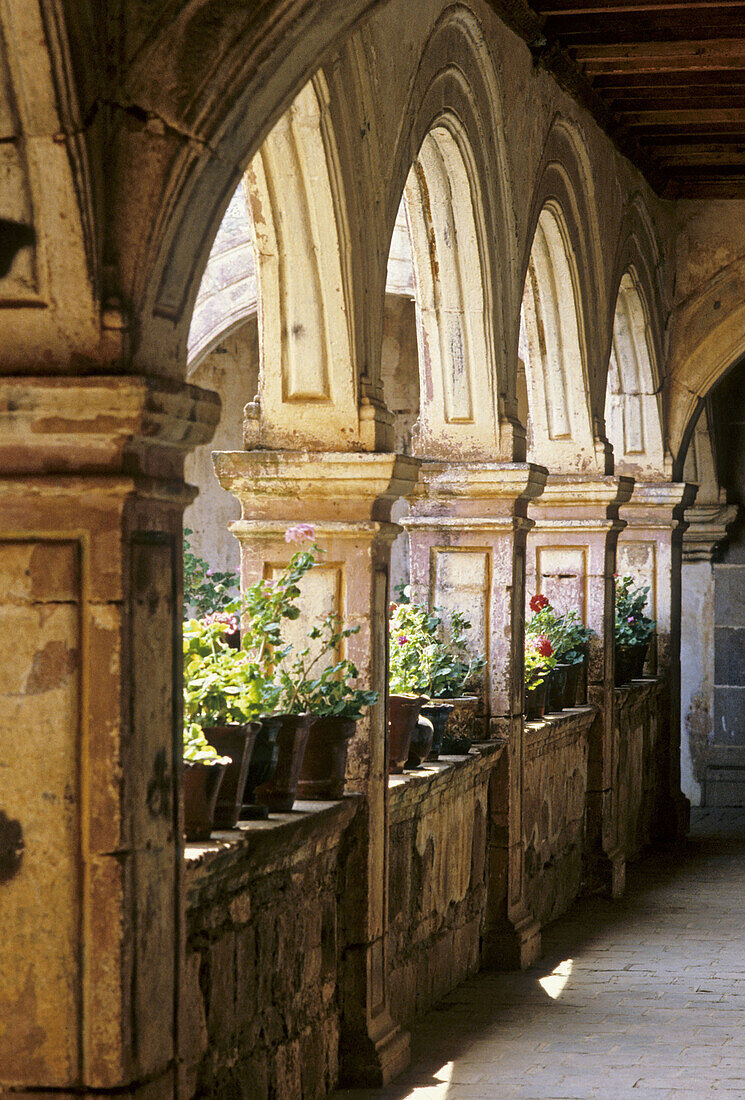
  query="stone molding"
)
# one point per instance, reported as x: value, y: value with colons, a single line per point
x: 707, y: 526
x: 103, y: 423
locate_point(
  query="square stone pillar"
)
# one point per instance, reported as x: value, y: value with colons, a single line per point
x: 650, y: 550
x: 347, y: 498
x: 571, y: 559
x: 90, y: 754
x: 467, y: 530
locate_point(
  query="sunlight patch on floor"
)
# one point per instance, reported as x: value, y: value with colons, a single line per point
x: 555, y: 982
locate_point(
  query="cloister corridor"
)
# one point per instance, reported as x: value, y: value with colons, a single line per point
x: 641, y: 997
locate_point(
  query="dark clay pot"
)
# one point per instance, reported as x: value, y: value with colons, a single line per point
x: 438, y: 714
x: 262, y: 767
x: 237, y: 742
x: 280, y: 792
x: 556, y: 683
x: 201, y: 788
x: 421, y: 742
x: 325, y: 762
x: 572, y: 684
x: 403, y: 711
x: 630, y: 663
x: 535, y: 702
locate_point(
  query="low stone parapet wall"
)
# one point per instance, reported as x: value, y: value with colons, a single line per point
x: 639, y: 771
x: 437, y: 887
x: 555, y: 785
x: 259, y: 993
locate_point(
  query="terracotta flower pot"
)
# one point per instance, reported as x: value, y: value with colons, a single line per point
x: 438, y: 714
x: 572, y: 684
x: 261, y: 767
x: 403, y: 711
x: 201, y: 787
x: 237, y: 742
x: 421, y: 742
x: 279, y: 793
x: 535, y: 702
x: 463, y: 726
x: 324, y: 767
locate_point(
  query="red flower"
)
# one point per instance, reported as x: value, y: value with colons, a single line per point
x: 402, y: 639
x: 544, y: 647
x: 538, y: 603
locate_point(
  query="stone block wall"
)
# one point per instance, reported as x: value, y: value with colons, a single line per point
x: 638, y: 724
x: 437, y: 889
x: 556, y: 753
x: 260, y: 989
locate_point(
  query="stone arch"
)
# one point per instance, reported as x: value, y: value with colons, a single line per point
x: 308, y: 382
x: 553, y: 349
x: 566, y: 185
x: 452, y: 169
x: 714, y: 349
x: 237, y: 72
x: 632, y: 404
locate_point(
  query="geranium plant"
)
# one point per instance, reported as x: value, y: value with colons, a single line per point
x: 197, y: 750
x: 330, y: 692
x: 539, y: 660
x: 428, y: 656
x: 222, y: 685
x: 633, y: 626
x: 567, y: 633
x: 206, y: 590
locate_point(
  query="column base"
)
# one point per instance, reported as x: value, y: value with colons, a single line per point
x: 674, y: 820
x: 605, y: 873
x: 377, y: 1060
x: 516, y: 947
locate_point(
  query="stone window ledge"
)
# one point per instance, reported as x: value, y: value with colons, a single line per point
x: 438, y: 775
x: 559, y: 726
x: 639, y: 690
x: 279, y: 840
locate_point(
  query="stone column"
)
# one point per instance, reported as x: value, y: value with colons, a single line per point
x: 467, y: 531
x: 90, y: 836
x: 650, y: 550
x: 571, y: 559
x: 706, y: 528
x: 347, y: 497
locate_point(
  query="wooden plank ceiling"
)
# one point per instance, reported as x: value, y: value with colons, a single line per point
x: 671, y: 80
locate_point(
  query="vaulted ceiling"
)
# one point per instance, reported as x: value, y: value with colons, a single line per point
x: 666, y: 78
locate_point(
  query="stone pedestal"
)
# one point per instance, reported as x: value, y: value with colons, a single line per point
x: 347, y: 498
x: 467, y: 531
x: 650, y: 550
x: 571, y: 559
x: 90, y: 754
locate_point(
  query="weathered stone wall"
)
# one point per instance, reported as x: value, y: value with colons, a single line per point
x: 556, y: 752
x: 639, y: 721
x: 437, y: 889
x: 260, y: 987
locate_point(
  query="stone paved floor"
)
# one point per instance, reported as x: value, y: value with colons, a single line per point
x: 643, y: 997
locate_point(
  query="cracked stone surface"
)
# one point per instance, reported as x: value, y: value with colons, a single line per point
x: 642, y: 997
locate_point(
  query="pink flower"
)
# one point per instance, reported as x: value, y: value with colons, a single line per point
x: 544, y: 647
x: 299, y: 533
x: 402, y: 639
x: 630, y: 619
x: 538, y: 603
x: 228, y: 622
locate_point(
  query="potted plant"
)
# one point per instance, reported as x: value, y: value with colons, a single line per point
x: 224, y: 691
x: 333, y: 701
x: 539, y: 662
x: 633, y: 629
x: 203, y: 773
x: 569, y: 638
x: 429, y: 657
